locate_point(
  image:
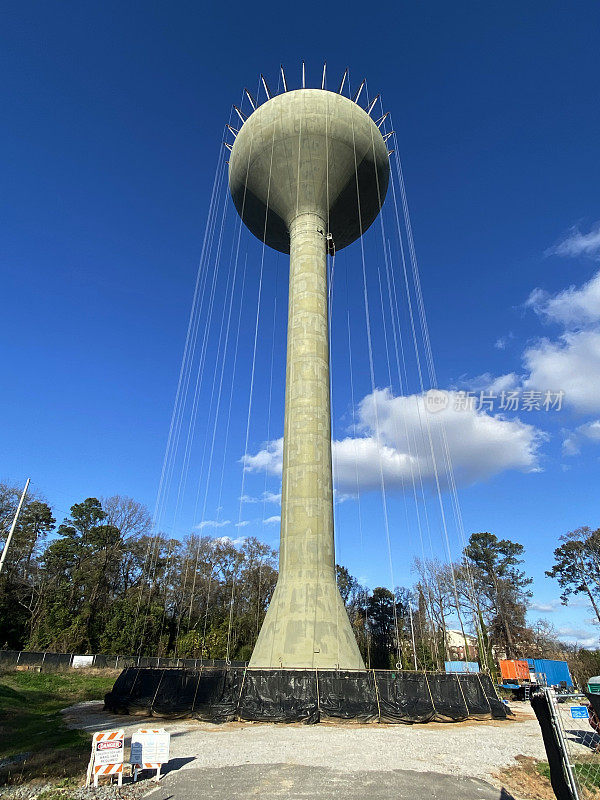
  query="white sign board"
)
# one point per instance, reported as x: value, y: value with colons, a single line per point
x: 108, y: 748
x: 82, y: 661
x: 150, y: 747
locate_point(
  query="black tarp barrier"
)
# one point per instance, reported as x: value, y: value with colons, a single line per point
x: 448, y: 698
x: 102, y: 661
x: 403, y: 697
x: 222, y: 695
x: 8, y: 657
x: 30, y: 659
x: 497, y: 706
x: 56, y: 660
x: 175, y: 692
x: 215, y: 697
x: 348, y: 695
x: 475, y: 698
x: 279, y: 696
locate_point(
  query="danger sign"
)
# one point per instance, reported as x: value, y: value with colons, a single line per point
x: 117, y: 744
x: 107, y: 756
x: 108, y: 747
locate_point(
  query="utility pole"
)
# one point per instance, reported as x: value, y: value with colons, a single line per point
x: 13, y: 526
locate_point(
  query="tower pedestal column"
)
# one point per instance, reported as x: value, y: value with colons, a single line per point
x: 306, y: 625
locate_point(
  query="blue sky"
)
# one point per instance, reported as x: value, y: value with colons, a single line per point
x: 113, y: 123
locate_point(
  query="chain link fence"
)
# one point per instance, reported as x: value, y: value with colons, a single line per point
x: 578, y: 727
x: 11, y: 659
x: 570, y: 729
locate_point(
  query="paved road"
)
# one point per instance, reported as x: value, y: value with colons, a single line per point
x: 295, y: 782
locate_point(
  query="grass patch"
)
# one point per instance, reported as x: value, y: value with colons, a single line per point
x: 544, y: 769
x: 531, y: 778
x: 587, y: 773
x: 32, y: 728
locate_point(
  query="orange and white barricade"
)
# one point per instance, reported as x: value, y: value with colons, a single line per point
x: 149, y: 750
x: 102, y: 770
x: 107, y: 756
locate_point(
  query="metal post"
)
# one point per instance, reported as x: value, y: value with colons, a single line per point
x: 13, y: 526
x: 563, y: 745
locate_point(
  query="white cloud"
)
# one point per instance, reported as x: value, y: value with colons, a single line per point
x: 571, y: 445
x: 487, y: 382
x: 574, y: 439
x: 591, y: 430
x: 545, y: 607
x: 504, y: 383
x: 269, y: 459
x: 274, y: 520
x: 570, y: 364
x: 573, y: 307
x: 579, y: 244
x: 579, y: 636
x: 242, y: 524
x: 502, y: 342
x: 228, y: 540
x: 272, y: 497
x: 481, y: 445
x: 265, y: 497
x: 213, y: 523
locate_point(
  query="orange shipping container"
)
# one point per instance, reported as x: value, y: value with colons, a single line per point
x: 514, y: 670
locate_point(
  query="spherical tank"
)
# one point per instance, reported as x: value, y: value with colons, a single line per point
x: 308, y: 150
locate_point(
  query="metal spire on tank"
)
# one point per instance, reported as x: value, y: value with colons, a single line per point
x: 372, y: 105
x: 241, y: 114
x: 265, y: 86
x: 250, y: 98
x: 360, y: 88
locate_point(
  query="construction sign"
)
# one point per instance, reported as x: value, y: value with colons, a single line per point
x: 107, y: 756
x: 149, y: 750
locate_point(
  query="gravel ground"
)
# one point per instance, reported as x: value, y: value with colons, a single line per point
x: 467, y: 750
x: 470, y: 749
x: 29, y: 791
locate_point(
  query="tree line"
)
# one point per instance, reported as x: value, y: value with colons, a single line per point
x: 103, y: 582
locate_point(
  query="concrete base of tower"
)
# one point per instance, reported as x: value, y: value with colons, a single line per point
x: 306, y: 627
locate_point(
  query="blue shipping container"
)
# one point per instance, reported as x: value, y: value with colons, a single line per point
x: 554, y: 671
x: 461, y: 666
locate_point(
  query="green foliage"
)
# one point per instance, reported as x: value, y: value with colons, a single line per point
x: 31, y: 722
x: 500, y: 587
x: 105, y: 583
x: 583, y: 665
x: 19, y: 582
x: 577, y: 566
x: 382, y: 627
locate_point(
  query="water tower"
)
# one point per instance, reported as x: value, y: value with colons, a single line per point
x: 308, y: 173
